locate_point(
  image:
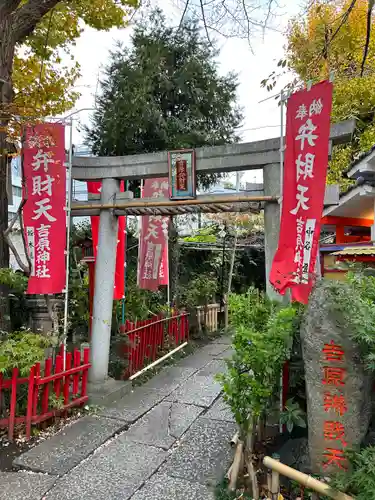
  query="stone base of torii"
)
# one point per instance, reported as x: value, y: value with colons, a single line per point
x: 110, y: 170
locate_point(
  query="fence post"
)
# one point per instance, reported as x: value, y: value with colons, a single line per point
x: 30, y: 398
x: 1, y: 398
x: 13, y: 403
x: 36, y: 389
x: 85, y: 372
x: 77, y: 363
x: 45, y: 397
x: 68, y: 365
x: 226, y: 313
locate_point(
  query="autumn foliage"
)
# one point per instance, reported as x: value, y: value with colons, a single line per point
x: 330, y: 39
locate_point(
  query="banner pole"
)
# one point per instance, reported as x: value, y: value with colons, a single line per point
x: 68, y: 223
x: 126, y: 244
x: 281, y: 398
x: 281, y: 148
x: 168, y: 284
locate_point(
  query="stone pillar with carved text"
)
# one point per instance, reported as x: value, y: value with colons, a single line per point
x: 338, y: 387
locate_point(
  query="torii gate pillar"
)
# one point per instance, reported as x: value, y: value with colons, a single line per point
x: 104, y: 281
x: 272, y: 187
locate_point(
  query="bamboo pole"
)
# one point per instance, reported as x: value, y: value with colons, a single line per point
x: 275, y: 482
x: 305, y: 480
x: 236, y: 466
x: 142, y: 203
x: 234, y: 440
x: 158, y: 361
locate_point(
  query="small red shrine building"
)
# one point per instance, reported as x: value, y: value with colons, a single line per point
x: 351, y: 222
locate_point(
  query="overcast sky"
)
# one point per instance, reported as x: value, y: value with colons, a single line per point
x: 262, y: 119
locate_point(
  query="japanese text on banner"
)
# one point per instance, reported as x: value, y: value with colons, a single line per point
x: 305, y: 169
x: 44, y: 211
x: 153, y: 250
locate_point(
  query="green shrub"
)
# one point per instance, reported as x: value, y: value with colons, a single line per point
x: 262, y: 343
x: 251, y: 309
x: 22, y: 350
x: 359, y: 479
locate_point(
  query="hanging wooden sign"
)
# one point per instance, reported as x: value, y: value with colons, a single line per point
x: 182, y: 177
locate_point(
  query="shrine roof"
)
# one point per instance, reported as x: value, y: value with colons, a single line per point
x: 363, y: 165
x: 359, y: 250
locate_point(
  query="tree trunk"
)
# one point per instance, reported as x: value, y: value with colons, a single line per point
x: 7, y: 47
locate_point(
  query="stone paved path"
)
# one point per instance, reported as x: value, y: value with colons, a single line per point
x: 168, y: 439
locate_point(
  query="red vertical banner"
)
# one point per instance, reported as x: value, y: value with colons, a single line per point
x: 305, y: 171
x: 119, y: 288
x: 153, y: 240
x: 44, y: 213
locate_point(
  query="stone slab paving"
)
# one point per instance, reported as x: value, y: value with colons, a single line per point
x: 220, y: 411
x: 214, y: 349
x: 24, y: 485
x: 225, y: 339
x: 196, y: 360
x: 179, y: 410
x: 114, y: 472
x: 169, y: 379
x: 70, y: 446
x: 225, y: 354
x: 134, y: 405
x: 163, y: 487
x: 213, y: 368
x: 204, y: 454
x: 164, y: 424
x: 197, y: 390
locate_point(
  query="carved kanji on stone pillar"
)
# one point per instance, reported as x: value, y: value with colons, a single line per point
x: 337, y: 384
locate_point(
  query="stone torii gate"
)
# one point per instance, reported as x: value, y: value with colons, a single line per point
x: 110, y: 170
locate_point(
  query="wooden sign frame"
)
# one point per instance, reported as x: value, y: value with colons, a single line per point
x: 183, y: 188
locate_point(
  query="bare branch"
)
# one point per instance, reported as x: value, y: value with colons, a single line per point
x: 368, y: 34
x: 344, y: 19
x: 247, y: 20
x: 184, y: 12
x: 204, y: 22
x: 27, y: 17
x: 231, y: 18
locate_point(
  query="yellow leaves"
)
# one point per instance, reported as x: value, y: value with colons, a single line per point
x: 316, y: 46
x: 316, y: 41
x: 42, y: 85
x: 52, y: 95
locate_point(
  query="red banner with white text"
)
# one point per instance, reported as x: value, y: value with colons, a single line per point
x: 119, y: 288
x: 153, y: 240
x: 305, y: 170
x: 44, y: 214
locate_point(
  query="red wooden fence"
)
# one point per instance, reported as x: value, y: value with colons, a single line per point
x: 149, y: 339
x: 69, y: 387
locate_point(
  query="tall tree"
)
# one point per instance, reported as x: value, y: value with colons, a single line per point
x: 164, y: 93
x: 334, y: 38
